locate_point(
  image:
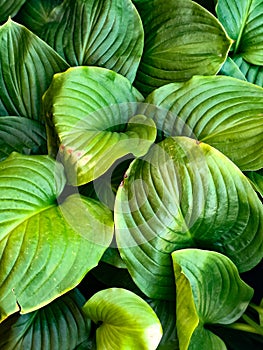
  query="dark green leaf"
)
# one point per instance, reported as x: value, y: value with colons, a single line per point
x: 182, y: 39
x: 23, y: 81
x: 21, y: 135
x: 252, y: 73
x: 208, y: 290
x: 184, y: 194
x: 257, y: 180
x: 59, y: 325
x: 231, y: 69
x: 9, y: 8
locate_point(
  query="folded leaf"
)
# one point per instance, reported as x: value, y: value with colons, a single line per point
x: 127, y: 321
x: 105, y: 33
x: 9, y: 8
x: 46, y: 245
x: 208, y: 290
x: 23, y: 81
x: 59, y: 325
x: 21, y: 135
x: 222, y: 111
x: 243, y: 23
x: 184, y: 194
x: 93, y: 112
x: 182, y: 39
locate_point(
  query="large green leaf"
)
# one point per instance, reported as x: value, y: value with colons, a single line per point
x: 46, y: 245
x: 222, y: 111
x: 182, y: 39
x: 27, y: 65
x: 21, y: 135
x: 208, y: 290
x: 34, y: 14
x: 9, y: 8
x: 59, y: 325
x: 184, y: 194
x: 127, y: 321
x: 242, y: 20
x: 105, y: 33
x: 92, y: 110
x: 253, y: 73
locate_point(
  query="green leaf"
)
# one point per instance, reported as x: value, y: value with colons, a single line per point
x: 208, y: 290
x: 231, y: 69
x: 92, y: 110
x: 59, y: 325
x: 105, y: 33
x: 182, y: 39
x: 9, y: 8
x: 184, y: 194
x: 242, y: 20
x: 252, y: 73
x: 34, y: 14
x: 21, y: 135
x: 128, y: 322
x: 23, y: 81
x: 222, y: 111
x: 46, y: 245
x: 257, y: 180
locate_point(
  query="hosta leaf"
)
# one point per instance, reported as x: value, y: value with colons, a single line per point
x: 59, y: 325
x: 222, y: 111
x: 243, y: 23
x: 182, y: 39
x: 231, y: 69
x: 105, y: 33
x: 128, y: 322
x: 23, y: 81
x: 184, y: 194
x: 46, y: 245
x: 257, y: 180
x: 9, y: 8
x: 34, y: 14
x: 21, y: 135
x: 97, y: 125
x: 208, y: 290
x: 252, y: 73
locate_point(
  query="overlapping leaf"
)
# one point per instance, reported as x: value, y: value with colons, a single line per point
x: 128, y: 322
x: 23, y: 81
x: 243, y: 22
x: 221, y: 111
x: 253, y: 73
x: 208, y: 290
x: 45, y: 248
x: 21, y: 135
x: 9, y: 8
x: 257, y: 180
x: 92, y: 110
x: 182, y: 39
x: 105, y: 33
x: 184, y: 194
x: 59, y: 325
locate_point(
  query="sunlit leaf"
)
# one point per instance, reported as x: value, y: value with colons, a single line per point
x: 182, y: 39
x: 93, y: 112
x: 47, y: 244
x: 208, y: 290
x: 127, y: 321
x: 184, y: 194
x: 23, y: 81
x: 59, y: 325
x: 222, y: 111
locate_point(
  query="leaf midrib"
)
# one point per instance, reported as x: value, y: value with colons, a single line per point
x: 243, y: 25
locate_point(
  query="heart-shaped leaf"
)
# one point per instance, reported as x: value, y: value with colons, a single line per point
x: 127, y: 321
x: 184, y: 194
x: 208, y: 290
x: 243, y: 22
x: 182, y: 39
x: 45, y: 248
x: 59, y: 325
x: 222, y: 111
x: 105, y: 33
x: 97, y: 125
x: 23, y: 81
x: 21, y: 135
x: 9, y: 8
